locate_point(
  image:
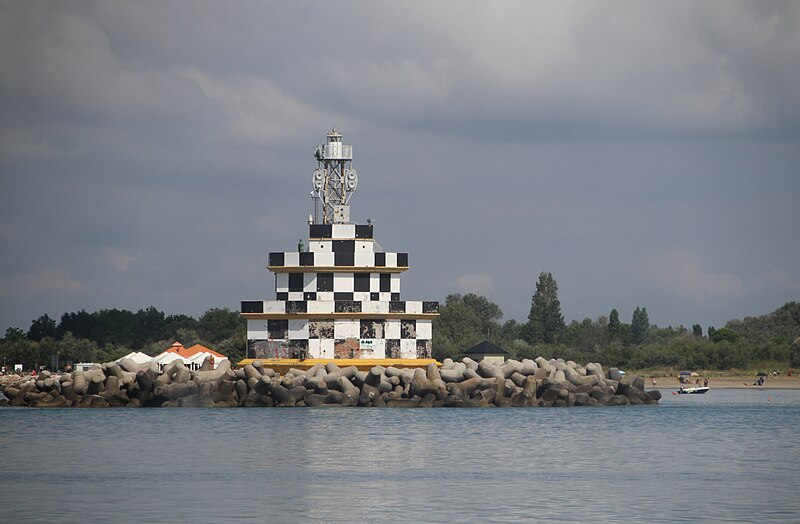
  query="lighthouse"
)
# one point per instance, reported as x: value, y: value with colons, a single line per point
x: 338, y: 296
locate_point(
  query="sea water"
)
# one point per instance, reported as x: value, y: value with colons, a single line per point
x: 727, y: 456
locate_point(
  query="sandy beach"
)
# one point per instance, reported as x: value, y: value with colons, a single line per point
x: 742, y: 382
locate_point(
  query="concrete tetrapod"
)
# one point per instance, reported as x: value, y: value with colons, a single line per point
x: 537, y: 382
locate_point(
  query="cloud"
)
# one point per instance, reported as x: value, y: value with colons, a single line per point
x: 48, y: 283
x: 774, y: 280
x: 681, y: 272
x: 565, y: 135
x: 26, y: 143
x: 478, y: 283
x: 119, y: 261
x: 256, y: 110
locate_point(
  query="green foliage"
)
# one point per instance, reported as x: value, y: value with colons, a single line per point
x: 42, y: 327
x: 794, y: 359
x: 112, y: 333
x: 640, y: 324
x: 13, y: 334
x: 587, y: 336
x: 613, y: 325
x: 784, y: 323
x: 545, y: 321
x: 463, y: 322
x: 218, y: 324
x: 724, y: 334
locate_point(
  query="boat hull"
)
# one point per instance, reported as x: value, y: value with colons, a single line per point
x: 694, y: 391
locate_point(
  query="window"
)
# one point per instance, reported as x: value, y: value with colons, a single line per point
x: 324, y: 281
x: 295, y: 282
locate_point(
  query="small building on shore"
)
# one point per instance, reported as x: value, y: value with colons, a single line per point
x: 487, y: 351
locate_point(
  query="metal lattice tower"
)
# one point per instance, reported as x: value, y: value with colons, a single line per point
x: 334, y: 180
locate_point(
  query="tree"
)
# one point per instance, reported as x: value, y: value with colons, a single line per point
x: 14, y: 334
x: 794, y: 359
x: 44, y: 326
x: 187, y: 337
x: 545, y: 321
x: 489, y: 314
x: 463, y: 321
x: 587, y: 336
x: 80, y: 324
x: 218, y: 324
x: 148, y: 325
x: 613, y: 325
x: 697, y: 330
x: 169, y: 330
x: 724, y: 334
x: 640, y: 324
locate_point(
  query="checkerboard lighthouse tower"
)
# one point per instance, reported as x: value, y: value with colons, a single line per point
x: 338, y: 295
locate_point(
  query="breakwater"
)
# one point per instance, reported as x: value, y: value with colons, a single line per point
x: 526, y: 383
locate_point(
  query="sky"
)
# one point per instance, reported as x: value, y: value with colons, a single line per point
x: 647, y: 154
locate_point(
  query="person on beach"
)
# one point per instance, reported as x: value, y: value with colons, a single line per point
x: 654, y: 382
x: 705, y: 382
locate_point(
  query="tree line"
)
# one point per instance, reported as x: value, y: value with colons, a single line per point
x: 772, y: 340
x: 109, y: 334
x: 767, y: 341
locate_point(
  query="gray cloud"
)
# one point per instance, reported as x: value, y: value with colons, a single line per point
x: 644, y: 153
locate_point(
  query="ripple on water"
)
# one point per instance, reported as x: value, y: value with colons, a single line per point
x: 727, y: 456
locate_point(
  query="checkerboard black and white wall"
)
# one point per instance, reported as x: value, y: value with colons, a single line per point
x: 339, y: 299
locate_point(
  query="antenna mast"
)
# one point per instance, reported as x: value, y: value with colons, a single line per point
x: 334, y: 180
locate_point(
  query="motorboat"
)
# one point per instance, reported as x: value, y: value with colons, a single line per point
x: 699, y: 390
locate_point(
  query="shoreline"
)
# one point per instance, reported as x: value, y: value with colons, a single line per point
x: 742, y: 382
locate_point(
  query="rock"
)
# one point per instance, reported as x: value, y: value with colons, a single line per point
x: 427, y: 401
x: 250, y: 371
x: 471, y: 364
x: 654, y: 394
x: 529, y: 367
x: 432, y: 372
x: 112, y: 369
x: 614, y: 374
x: 96, y: 401
x: 51, y: 402
x: 488, y: 369
x: 518, y: 379
x: 368, y: 395
x: 315, y: 400
x: 127, y: 364
x: 618, y: 400
x: 223, y: 370
x: 451, y: 375
x: 595, y: 369
x: 176, y: 391
x: 509, y: 367
x: 360, y: 378
x: 334, y: 397
x: 351, y: 392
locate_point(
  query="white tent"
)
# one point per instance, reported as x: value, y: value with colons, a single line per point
x: 166, y: 357
x: 138, y: 357
x: 196, y: 360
